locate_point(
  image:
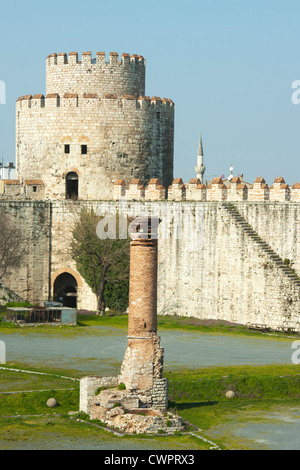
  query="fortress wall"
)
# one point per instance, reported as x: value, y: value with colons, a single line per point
x: 64, y: 216
x: 209, y: 267
x: 225, y: 275
x: 47, y: 252
x: 279, y: 225
x: 126, y: 138
x: 30, y: 281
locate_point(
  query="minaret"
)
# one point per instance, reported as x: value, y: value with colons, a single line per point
x: 200, y: 168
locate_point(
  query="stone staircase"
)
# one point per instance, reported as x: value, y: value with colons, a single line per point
x: 7, y: 295
x: 272, y: 255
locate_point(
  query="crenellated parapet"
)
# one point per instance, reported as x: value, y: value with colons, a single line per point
x: 135, y: 191
x: 126, y: 60
x: 93, y: 101
x: 178, y: 191
x: 295, y: 192
x: 155, y: 191
x: 217, y: 190
x: 236, y: 191
x: 260, y: 190
x: 280, y: 191
x: 114, y: 74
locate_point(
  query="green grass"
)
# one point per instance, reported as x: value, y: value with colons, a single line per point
x: 110, y: 319
x: 186, y: 386
x: 268, y: 382
x: 15, y: 381
x: 197, y: 395
x: 116, y: 320
x: 213, y: 326
x: 120, y: 320
x: 34, y: 403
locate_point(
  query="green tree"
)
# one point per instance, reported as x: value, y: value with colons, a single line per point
x: 102, y: 262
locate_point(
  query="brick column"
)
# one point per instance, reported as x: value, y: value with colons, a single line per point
x: 143, y: 362
x: 142, y: 319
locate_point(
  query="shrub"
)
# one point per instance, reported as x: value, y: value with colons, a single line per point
x: 116, y: 296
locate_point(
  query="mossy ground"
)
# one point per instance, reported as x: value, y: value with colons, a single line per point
x: 197, y: 395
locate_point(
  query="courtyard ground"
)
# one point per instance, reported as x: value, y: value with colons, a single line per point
x: 267, y: 399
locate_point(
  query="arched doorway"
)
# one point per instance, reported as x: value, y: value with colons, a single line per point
x: 72, y: 185
x: 65, y: 290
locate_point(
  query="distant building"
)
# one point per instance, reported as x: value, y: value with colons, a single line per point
x: 227, y: 182
x: 8, y: 171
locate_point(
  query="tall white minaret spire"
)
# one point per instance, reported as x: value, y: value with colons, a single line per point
x: 200, y: 168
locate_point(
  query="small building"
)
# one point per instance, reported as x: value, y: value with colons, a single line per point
x: 57, y: 315
x: 8, y: 171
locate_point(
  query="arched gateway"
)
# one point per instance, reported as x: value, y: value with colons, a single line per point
x: 65, y: 290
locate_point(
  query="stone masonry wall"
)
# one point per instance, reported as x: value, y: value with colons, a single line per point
x: 209, y: 266
x: 66, y: 74
x: 279, y: 225
x: 125, y: 137
x: 88, y: 387
x: 7, y: 295
x: 30, y: 281
x: 226, y: 274
x: 63, y: 217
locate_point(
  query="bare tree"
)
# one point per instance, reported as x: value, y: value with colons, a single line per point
x: 12, y: 247
x: 100, y: 261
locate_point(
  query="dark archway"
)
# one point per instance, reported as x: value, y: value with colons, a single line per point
x: 72, y: 185
x: 65, y: 290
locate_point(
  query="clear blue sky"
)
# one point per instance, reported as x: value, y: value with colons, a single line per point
x: 227, y: 64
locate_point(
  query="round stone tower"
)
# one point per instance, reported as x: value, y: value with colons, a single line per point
x: 93, y: 126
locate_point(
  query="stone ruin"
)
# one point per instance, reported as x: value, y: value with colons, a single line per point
x: 137, y: 400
